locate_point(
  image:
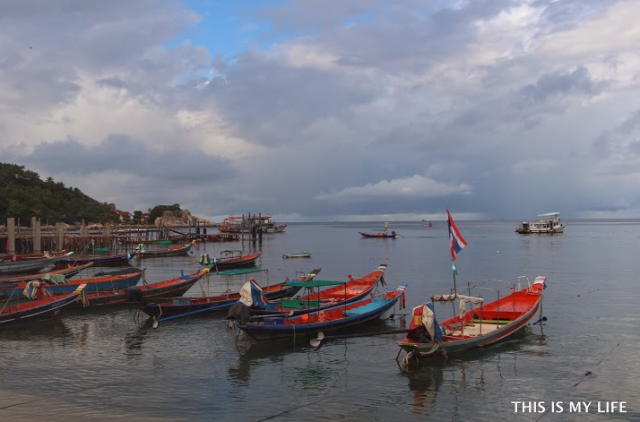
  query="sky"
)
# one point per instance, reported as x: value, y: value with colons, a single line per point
x: 329, y: 110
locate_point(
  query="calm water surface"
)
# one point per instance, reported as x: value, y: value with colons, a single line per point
x: 109, y: 364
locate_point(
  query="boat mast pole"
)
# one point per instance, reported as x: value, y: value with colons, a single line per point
x: 454, y: 271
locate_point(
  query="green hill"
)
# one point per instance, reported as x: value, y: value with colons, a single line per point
x: 24, y: 195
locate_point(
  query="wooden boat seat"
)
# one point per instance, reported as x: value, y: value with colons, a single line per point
x: 479, y: 328
x: 298, y: 304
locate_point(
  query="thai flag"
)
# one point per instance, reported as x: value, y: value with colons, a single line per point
x: 456, y: 240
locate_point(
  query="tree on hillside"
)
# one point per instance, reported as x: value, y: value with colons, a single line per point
x: 24, y: 195
x: 158, y: 210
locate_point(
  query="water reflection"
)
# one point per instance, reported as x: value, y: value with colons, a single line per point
x: 321, y: 371
x: 424, y: 385
x: 133, y: 341
x: 469, y: 372
x: 54, y: 329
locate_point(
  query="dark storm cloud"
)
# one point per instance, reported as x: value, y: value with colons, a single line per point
x: 406, y: 38
x: 623, y: 140
x: 359, y: 107
x: 269, y: 102
x: 577, y: 82
x: 48, y: 45
x: 122, y: 154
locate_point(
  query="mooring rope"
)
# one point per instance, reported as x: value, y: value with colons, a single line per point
x: 586, y: 374
x: 339, y: 394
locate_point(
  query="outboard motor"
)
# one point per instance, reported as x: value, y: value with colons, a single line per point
x: 239, y: 312
x: 134, y: 294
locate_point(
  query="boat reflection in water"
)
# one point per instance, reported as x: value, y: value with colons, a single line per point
x: 439, y: 383
x: 272, y: 359
x: 50, y: 330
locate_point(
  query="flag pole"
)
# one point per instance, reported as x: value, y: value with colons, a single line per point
x: 456, y: 243
x: 455, y: 287
x: 454, y: 271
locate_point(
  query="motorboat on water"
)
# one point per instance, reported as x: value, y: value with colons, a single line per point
x: 548, y: 223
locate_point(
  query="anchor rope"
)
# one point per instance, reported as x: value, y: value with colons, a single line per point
x: 586, y: 374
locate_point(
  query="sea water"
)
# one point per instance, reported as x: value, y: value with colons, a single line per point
x: 101, y: 364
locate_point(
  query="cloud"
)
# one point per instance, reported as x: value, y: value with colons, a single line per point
x: 576, y: 82
x: 332, y: 109
x: 414, y: 187
x: 119, y: 152
x: 532, y: 167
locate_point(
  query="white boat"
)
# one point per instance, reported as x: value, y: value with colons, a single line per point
x: 548, y: 223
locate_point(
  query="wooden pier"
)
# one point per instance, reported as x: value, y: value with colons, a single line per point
x: 16, y: 239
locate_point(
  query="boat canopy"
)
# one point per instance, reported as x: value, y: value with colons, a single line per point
x: 549, y: 214
x: 444, y: 298
x: 451, y: 297
x: 242, y: 271
x: 315, y: 283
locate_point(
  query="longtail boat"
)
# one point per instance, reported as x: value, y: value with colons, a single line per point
x: 68, y: 272
x: 482, y: 325
x: 143, y: 253
x: 12, y: 266
x: 161, y: 309
x: 141, y: 294
x: 337, y: 293
x: 230, y: 258
x: 329, y: 320
x: 33, y: 255
x: 18, y: 311
x: 95, y: 284
x: 379, y: 235
x: 169, y: 240
x: 98, y: 260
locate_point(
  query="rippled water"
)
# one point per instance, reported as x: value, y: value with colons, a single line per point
x: 104, y: 364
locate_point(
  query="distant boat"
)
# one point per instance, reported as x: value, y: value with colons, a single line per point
x: 297, y: 255
x: 548, y: 223
x: 379, y: 235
